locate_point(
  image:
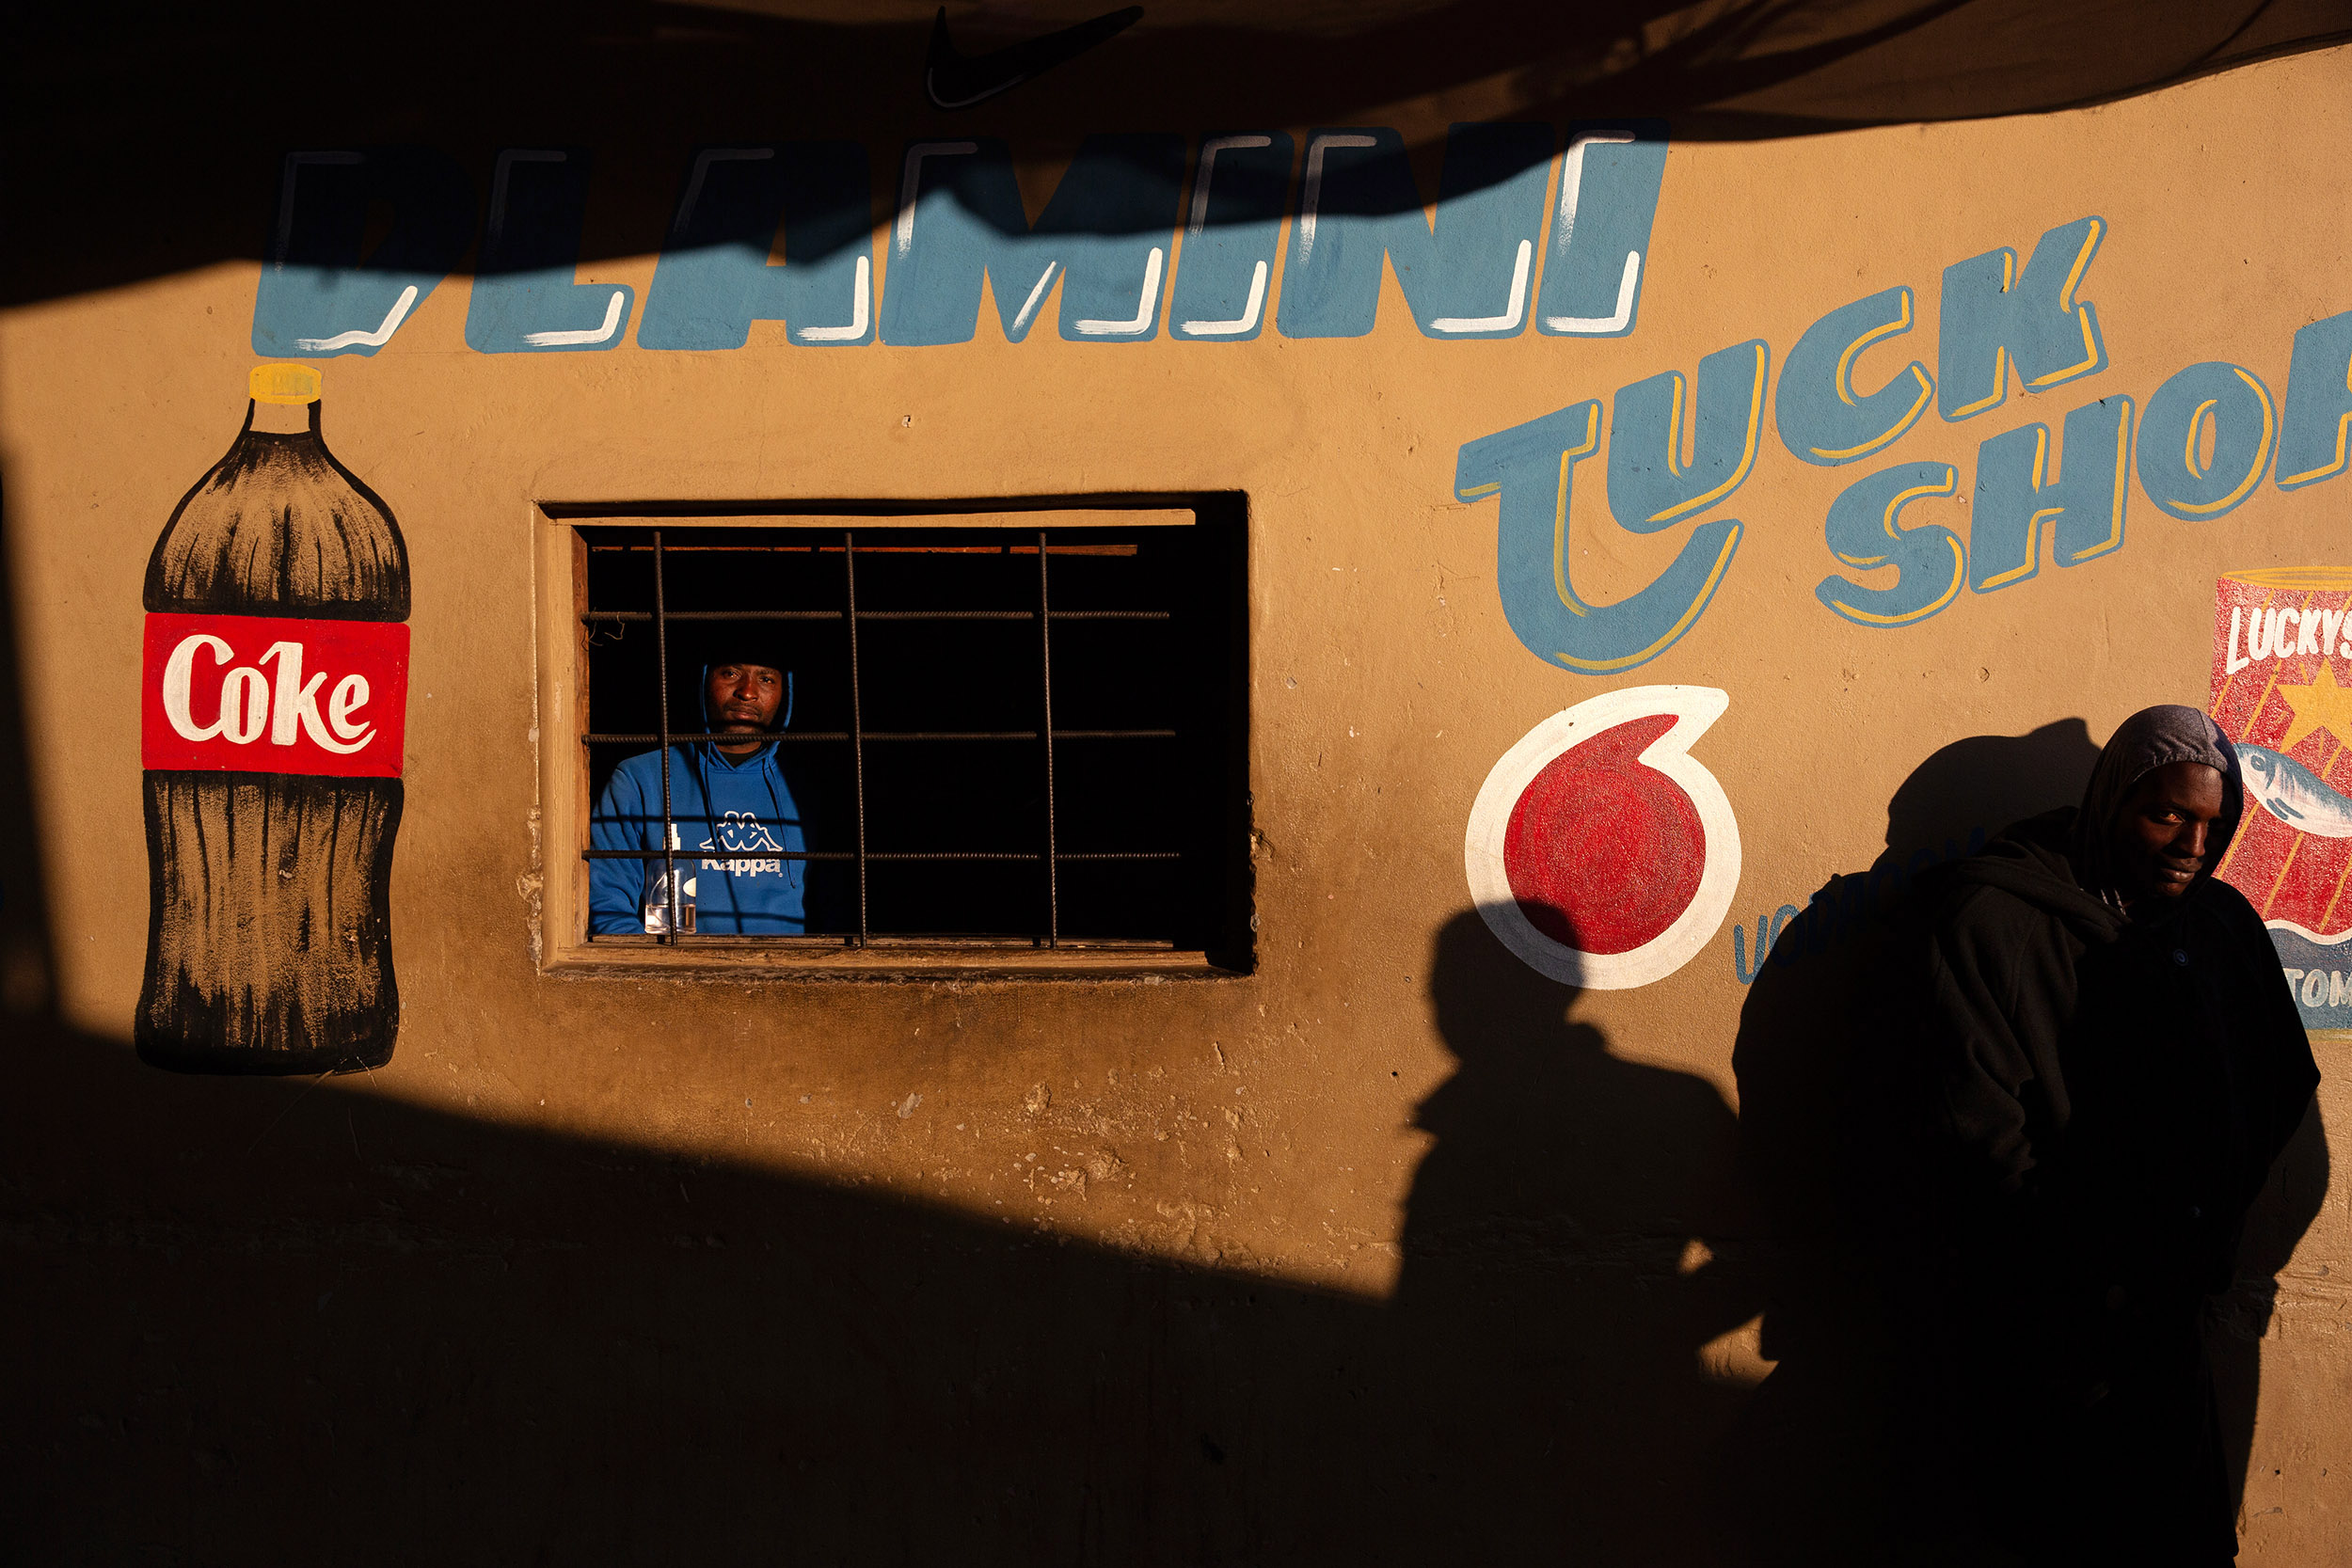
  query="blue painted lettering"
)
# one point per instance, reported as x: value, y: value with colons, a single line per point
x: 1648, y: 486
x: 1995, y: 317
x: 2021, y: 494
x: 1600, y: 227
x: 1928, y: 559
x: 2206, y: 439
x: 714, y: 279
x: 524, y: 299
x: 1767, y: 933
x: 319, y: 297
x: 1531, y: 467
x: 1472, y: 278
x: 1231, y: 229
x: 1822, y: 419
x: 2318, y: 415
x: 1104, y: 239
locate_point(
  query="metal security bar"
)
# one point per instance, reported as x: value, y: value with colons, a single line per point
x: 661, y: 688
x: 857, y: 727
x: 851, y: 615
x: 1045, y: 663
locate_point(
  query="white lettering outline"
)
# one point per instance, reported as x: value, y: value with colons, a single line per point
x: 351, y: 692
x: 1198, y: 224
x: 179, y: 675
x: 255, y: 704
x: 1571, y: 193
x: 910, y: 182
x: 861, y: 310
x: 586, y: 334
x: 1243, y: 323
x: 1310, y: 201
x: 1147, y: 306
x: 297, y: 702
x: 1037, y: 291
x: 1513, y: 313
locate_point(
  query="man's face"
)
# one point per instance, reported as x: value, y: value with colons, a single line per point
x: 743, y: 697
x: 2164, y: 837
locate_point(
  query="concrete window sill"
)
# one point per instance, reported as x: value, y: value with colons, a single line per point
x: 710, y: 957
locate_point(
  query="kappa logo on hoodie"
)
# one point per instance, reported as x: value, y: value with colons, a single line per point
x: 740, y: 831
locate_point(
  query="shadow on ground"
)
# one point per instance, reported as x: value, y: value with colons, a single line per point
x: 257, y: 1317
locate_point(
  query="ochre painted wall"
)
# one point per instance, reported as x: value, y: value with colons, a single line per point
x: 823, y: 1215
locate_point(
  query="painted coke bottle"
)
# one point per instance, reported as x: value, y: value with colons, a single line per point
x: 274, y: 696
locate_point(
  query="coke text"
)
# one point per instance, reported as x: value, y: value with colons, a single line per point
x: 267, y: 694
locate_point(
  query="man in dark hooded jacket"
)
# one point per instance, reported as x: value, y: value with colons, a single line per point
x: 2114, y: 1061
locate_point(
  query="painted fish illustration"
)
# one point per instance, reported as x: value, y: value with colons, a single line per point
x: 2293, y: 793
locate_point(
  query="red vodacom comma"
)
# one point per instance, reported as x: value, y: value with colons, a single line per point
x: 1599, y: 850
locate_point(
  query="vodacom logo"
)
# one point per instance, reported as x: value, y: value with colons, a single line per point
x: 1599, y: 849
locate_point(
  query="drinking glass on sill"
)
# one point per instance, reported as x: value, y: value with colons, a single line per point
x: 657, y: 901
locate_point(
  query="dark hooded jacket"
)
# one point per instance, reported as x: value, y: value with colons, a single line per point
x: 2105, y: 1092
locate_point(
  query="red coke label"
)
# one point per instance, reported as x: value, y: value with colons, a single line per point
x: 265, y: 694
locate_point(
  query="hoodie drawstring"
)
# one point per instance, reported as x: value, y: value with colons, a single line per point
x: 769, y: 774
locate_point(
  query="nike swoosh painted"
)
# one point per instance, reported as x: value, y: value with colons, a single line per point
x: 954, y: 81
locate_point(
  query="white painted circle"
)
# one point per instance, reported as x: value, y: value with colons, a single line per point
x: 1694, y: 707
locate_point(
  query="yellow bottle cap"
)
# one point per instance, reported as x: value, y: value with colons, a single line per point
x: 289, y: 383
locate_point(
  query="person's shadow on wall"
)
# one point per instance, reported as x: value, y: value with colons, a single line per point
x: 1820, y: 1470
x: 1571, y: 1243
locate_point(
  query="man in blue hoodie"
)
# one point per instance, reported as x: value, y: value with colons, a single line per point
x: 724, y: 796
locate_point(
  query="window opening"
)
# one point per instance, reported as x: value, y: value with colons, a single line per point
x: 1032, y: 790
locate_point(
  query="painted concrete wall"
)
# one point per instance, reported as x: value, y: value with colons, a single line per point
x: 800, y: 1249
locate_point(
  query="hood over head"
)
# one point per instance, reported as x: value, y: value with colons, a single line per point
x: 2060, y: 860
x: 741, y: 643
x: 2152, y: 738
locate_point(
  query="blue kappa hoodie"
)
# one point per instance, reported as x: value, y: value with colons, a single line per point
x: 718, y: 802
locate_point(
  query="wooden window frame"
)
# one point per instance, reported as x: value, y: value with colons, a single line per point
x: 560, y: 636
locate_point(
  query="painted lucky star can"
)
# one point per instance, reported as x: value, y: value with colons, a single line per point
x: 2282, y: 688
